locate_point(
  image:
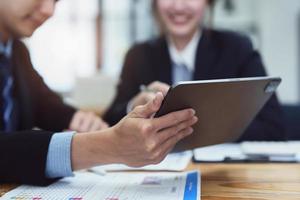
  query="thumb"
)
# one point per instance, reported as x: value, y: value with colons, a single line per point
x: 147, y: 110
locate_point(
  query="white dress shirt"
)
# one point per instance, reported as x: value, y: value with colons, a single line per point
x: 185, y: 57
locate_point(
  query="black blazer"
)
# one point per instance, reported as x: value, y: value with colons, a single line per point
x: 38, y: 106
x: 23, y: 154
x: 220, y: 55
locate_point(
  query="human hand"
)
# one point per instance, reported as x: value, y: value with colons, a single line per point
x: 86, y: 122
x: 148, y: 93
x: 139, y: 140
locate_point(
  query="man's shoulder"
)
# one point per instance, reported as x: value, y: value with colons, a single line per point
x: 19, y: 44
x: 20, y: 50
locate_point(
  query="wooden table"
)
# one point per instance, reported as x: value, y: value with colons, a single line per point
x: 6, y: 188
x: 245, y: 181
x: 249, y: 181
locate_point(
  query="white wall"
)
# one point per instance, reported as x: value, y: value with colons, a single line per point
x: 277, y: 37
x: 278, y: 22
x: 65, y: 46
x: 116, y: 35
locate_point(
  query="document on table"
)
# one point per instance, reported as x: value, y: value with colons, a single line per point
x: 173, y: 162
x: 219, y: 153
x: 284, y: 152
x: 288, y: 148
x: 116, y: 186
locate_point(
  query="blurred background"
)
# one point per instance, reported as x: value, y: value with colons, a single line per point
x: 80, y: 51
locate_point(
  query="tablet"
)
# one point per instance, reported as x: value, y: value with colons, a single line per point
x: 225, y: 107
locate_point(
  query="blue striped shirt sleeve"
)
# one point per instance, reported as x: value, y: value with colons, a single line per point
x: 59, y: 162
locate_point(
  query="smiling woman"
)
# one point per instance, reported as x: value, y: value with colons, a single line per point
x: 200, y: 8
x: 180, y: 19
x: 188, y: 50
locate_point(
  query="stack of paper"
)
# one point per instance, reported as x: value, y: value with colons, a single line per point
x: 218, y: 153
x: 271, y: 148
x: 250, y: 152
x: 116, y: 186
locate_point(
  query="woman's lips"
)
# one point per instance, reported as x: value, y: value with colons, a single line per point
x: 179, y: 19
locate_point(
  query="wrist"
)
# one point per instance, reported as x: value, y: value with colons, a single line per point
x: 103, y: 147
x: 92, y: 149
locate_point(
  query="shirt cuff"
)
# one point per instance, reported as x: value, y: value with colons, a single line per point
x: 59, y: 156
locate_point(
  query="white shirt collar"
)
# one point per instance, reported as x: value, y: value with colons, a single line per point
x: 188, y: 55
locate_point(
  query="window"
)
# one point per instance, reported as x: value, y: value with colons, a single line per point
x: 65, y: 47
x: 124, y: 23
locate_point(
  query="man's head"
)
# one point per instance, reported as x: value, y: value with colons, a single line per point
x: 20, y: 18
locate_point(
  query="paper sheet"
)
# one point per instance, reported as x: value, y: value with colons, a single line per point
x: 217, y: 153
x: 291, y: 148
x: 116, y: 186
x: 250, y: 152
x: 173, y: 162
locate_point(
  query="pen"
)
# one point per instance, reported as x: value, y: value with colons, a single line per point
x: 144, y: 88
x: 97, y: 171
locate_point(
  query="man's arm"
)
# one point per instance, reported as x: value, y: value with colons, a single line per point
x: 137, y: 140
x: 23, y: 157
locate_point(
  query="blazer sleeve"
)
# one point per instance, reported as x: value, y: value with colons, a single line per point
x: 268, y: 124
x: 128, y: 85
x: 49, y: 111
x: 23, y: 157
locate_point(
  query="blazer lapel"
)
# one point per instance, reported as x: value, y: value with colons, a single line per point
x: 205, y: 63
x: 205, y: 58
x: 162, y: 61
